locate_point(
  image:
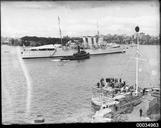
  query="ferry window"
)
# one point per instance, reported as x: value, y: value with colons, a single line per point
x: 33, y: 49
x: 51, y: 49
x: 116, y: 100
x: 42, y: 49
x: 157, y: 90
x: 116, y: 108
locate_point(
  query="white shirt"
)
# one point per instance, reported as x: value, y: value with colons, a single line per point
x: 106, y: 84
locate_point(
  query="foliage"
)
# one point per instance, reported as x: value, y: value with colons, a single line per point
x: 37, y: 41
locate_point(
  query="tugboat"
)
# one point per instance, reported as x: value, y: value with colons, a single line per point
x: 80, y: 55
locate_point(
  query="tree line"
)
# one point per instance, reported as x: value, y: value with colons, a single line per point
x: 37, y: 41
x: 120, y: 39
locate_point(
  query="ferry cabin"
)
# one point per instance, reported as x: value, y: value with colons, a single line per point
x: 40, y: 51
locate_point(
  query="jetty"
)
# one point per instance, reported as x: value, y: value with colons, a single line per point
x: 145, y: 106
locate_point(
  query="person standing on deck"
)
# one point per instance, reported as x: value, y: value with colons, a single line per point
x: 102, y: 82
x: 144, y: 91
x: 120, y: 80
x: 98, y: 85
x: 141, y: 112
x: 106, y: 83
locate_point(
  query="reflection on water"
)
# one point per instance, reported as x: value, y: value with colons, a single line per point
x: 61, y: 91
x: 28, y: 81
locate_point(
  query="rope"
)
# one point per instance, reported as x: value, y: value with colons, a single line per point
x: 53, y: 52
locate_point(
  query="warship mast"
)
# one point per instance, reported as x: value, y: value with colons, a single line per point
x: 60, y: 30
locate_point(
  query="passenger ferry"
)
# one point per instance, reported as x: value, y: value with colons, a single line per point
x: 114, y: 100
x: 119, y: 90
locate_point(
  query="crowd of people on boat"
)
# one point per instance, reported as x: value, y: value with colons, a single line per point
x: 115, y: 84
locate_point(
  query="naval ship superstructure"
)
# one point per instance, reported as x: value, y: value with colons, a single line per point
x: 94, y: 45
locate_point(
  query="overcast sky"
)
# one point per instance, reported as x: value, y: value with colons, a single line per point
x: 78, y: 18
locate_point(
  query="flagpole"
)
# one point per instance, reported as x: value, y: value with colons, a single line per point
x: 97, y: 33
x: 137, y: 57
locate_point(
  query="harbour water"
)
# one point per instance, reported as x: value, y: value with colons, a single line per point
x: 61, y: 90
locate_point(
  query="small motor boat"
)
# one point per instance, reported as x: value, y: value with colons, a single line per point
x: 39, y: 119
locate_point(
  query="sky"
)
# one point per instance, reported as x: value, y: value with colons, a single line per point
x: 78, y: 18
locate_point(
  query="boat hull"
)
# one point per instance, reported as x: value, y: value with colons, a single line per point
x: 95, y: 107
x: 75, y: 58
x: 59, y: 53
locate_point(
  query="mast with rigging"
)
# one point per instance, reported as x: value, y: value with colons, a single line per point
x: 60, y: 30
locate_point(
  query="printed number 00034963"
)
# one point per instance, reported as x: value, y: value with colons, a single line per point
x: 147, y: 124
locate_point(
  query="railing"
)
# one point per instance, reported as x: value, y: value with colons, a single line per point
x: 101, y: 92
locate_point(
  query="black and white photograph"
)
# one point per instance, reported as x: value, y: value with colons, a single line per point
x: 80, y: 62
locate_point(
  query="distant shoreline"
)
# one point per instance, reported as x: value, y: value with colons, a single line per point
x: 66, y: 40
x: 56, y: 43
